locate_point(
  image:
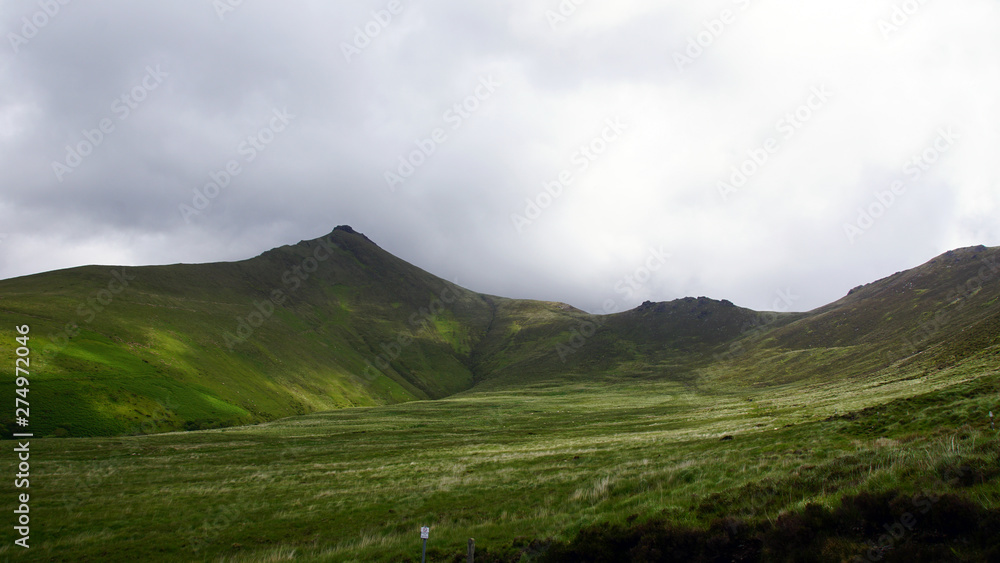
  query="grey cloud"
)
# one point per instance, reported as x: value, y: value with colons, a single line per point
x: 353, y: 121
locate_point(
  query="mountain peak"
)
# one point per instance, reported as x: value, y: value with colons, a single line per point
x: 346, y: 229
x: 349, y: 230
x: 336, y: 322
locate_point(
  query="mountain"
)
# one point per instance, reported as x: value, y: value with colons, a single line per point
x: 927, y: 318
x: 297, y: 329
x: 338, y: 322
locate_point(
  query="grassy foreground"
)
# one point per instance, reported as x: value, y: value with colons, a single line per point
x: 509, y: 467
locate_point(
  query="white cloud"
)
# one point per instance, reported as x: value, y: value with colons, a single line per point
x: 655, y: 186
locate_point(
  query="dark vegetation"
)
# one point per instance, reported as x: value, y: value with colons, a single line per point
x: 894, y: 526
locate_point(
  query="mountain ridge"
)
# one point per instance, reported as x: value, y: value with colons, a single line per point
x: 337, y: 322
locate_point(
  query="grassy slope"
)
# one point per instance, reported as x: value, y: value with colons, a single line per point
x: 533, y: 341
x: 820, y: 405
x: 364, y: 329
x: 156, y: 356
x: 920, y: 320
x: 367, y: 328
x: 536, y: 462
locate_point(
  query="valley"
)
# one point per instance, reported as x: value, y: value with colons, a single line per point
x: 323, y: 401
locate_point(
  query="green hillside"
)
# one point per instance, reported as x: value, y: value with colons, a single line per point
x: 338, y: 322
x: 690, y: 430
x: 926, y: 319
x: 329, y: 323
x: 581, y: 469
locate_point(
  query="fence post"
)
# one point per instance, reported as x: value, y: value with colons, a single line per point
x: 472, y: 550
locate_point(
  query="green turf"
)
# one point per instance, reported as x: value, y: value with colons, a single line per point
x: 351, y: 325
x: 544, y: 420
x: 539, y: 462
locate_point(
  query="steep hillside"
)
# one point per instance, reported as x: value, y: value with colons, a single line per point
x: 323, y: 324
x: 691, y: 427
x: 929, y: 317
x: 338, y: 322
x: 533, y: 343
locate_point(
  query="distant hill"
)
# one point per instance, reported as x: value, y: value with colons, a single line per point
x: 932, y: 316
x: 338, y: 322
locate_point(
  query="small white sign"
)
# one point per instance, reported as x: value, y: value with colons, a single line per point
x: 425, y: 532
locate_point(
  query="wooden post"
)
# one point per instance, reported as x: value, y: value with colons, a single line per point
x: 472, y: 550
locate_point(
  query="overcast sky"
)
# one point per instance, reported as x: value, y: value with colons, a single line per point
x: 646, y: 110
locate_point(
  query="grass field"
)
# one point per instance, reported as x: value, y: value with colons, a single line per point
x: 513, y: 467
x: 668, y: 432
